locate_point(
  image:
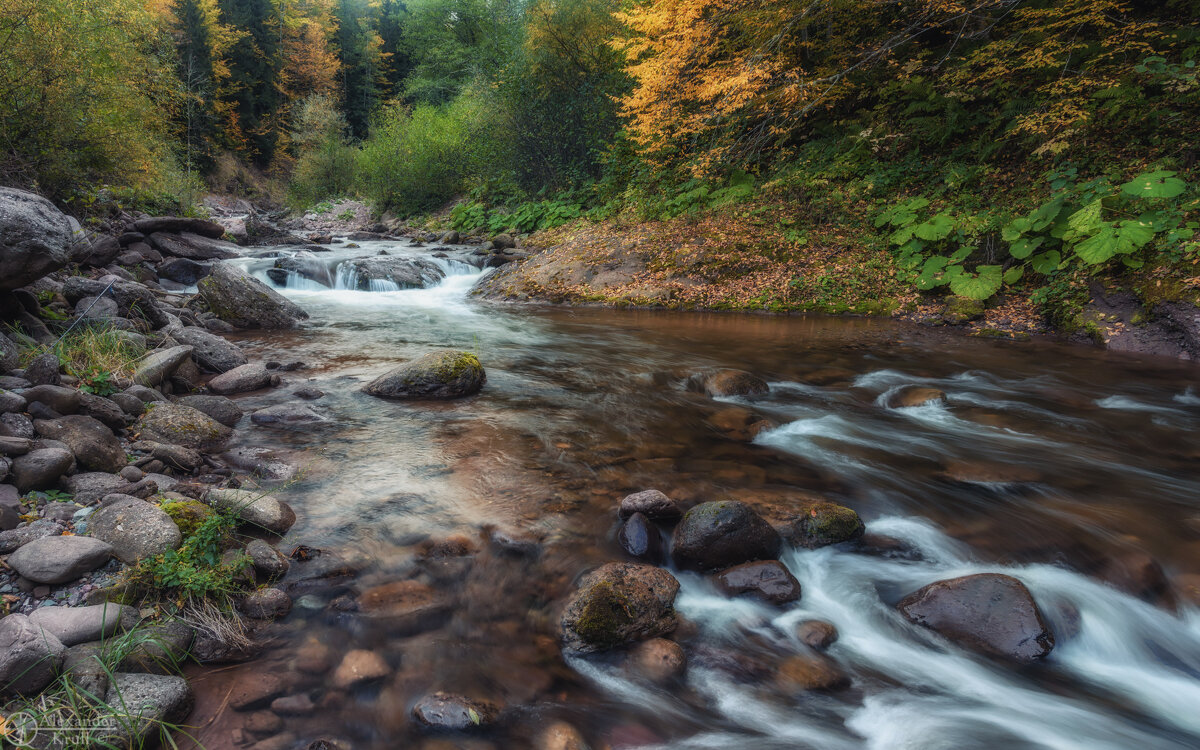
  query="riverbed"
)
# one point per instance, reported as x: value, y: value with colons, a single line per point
x: 1072, y: 469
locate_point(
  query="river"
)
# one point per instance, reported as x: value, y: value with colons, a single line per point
x: 1069, y: 468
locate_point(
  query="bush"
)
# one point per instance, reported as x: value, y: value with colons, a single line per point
x: 325, y: 162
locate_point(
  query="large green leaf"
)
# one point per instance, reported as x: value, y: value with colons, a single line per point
x: 1133, y: 234
x: 1099, y: 247
x: 1046, y: 214
x: 1013, y: 230
x: 1158, y: 184
x: 1014, y: 274
x: 1087, y: 220
x: 1024, y: 247
x: 937, y: 228
x: 901, y: 235
x: 1047, y: 262
x: 980, y: 285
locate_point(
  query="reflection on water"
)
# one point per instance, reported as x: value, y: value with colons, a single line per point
x: 1071, y: 469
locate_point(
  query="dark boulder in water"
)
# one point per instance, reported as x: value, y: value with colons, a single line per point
x: 619, y: 603
x: 821, y: 524
x: 765, y: 579
x: 640, y: 539
x: 722, y: 534
x: 988, y: 612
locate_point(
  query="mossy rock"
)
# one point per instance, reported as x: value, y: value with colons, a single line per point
x: 822, y: 524
x: 619, y: 603
x: 187, y: 514
x: 962, y: 310
x: 435, y: 376
x: 722, y: 534
x: 182, y: 425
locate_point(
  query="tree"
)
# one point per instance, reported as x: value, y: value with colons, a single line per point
x: 254, y: 90
x: 361, y: 62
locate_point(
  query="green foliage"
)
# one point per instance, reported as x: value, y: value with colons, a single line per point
x: 1085, y: 223
x: 98, y: 382
x: 194, y: 572
x: 325, y: 163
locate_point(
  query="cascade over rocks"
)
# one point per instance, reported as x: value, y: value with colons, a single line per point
x: 987, y: 612
x: 242, y: 300
x: 722, y: 534
x: 437, y: 375
x: 35, y: 238
x: 619, y: 603
x: 404, y: 272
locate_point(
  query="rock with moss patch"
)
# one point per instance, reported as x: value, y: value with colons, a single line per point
x: 187, y: 514
x: 183, y: 425
x: 438, y: 375
x: 619, y: 603
x: 821, y: 524
x: 236, y: 297
x: 135, y: 528
x: 722, y: 534
x: 962, y: 310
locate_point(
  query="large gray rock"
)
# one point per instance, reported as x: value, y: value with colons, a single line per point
x: 59, y: 559
x: 236, y: 297
x: 141, y: 704
x: 43, y: 370
x: 135, y: 528
x: 222, y: 409
x: 987, y: 612
x: 254, y: 508
x: 722, y: 534
x: 211, y: 352
x: 183, y: 270
x: 60, y: 399
x: 11, y: 402
x: 178, y: 225
x: 287, y: 415
x: 9, y: 354
x: 133, y: 299
x: 29, y: 657
x: 94, y: 445
x: 158, y: 365
x: 102, y: 409
x: 35, y: 238
x: 183, y: 425
x: 72, y: 625
x: 90, y: 487
x: 619, y: 603
x: 193, y: 246
x: 383, y: 273
x: 241, y: 379
x: 41, y: 469
x: 437, y: 375
x: 14, y: 539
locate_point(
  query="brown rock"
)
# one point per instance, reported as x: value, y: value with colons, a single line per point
x: 768, y: 580
x: 810, y: 671
x: 658, y: 660
x: 360, y: 666
x: 816, y: 634
x: 914, y: 396
x: 408, y: 607
x: 255, y: 690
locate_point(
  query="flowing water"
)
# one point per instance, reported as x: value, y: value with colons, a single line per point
x: 1074, y: 470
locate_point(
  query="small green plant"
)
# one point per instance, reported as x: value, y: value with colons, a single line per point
x: 50, y: 496
x: 194, y: 572
x: 98, y: 383
x: 347, y: 215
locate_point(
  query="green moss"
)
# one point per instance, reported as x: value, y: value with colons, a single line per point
x: 822, y: 524
x: 188, y: 515
x: 605, y: 616
x: 454, y: 365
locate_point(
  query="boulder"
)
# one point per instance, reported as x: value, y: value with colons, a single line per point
x: 253, y: 508
x: 987, y: 612
x: 358, y: 667
x: 59, y: 559
x: 286, y: 415
x: 722, y: 534
x: 133, y: 299
x: 179, y: 225
x: 90, y: 487
x: 724, y: 383
x: 820, y: 524
x: 619, y: 603
x: 9, y: 354
x: 29, y: 657
x: 211, y: 352
x: 11, y: 402
x: 310, y: 268
x: 41, y: 469
x: 102, y: 251
x: 266, y: 604
x: 241, y: 379
x: 183, y: 270
x: 43, y: 370
x: 14, y: 539
x: 255, y: 689
x: 816, y: 634
x: 560, y: 735
x: 35, y: 238
x: 652, y: 504
x: 13, y: 446
x: 159, y: 649
x: 640, y: 539
x: 657, y: 660
x: 219, y: 408
x: 183, y: 425
x: 242, y: 300
x: 141, y: 705
x: 103, y: 410
x: 767, y: 580
x: 158, y: 365
x: 389, y: 273
x: 193, y: 246
x: 60, y: 399
x: 269, y: 564
x: 94, y: 445
x: 174, y: 456
x: 72, y: 625
x: 438, y: 375
x: 811, y: 671
x: 912, y: 395
x: 136, y: 529
x: 449, y: 712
